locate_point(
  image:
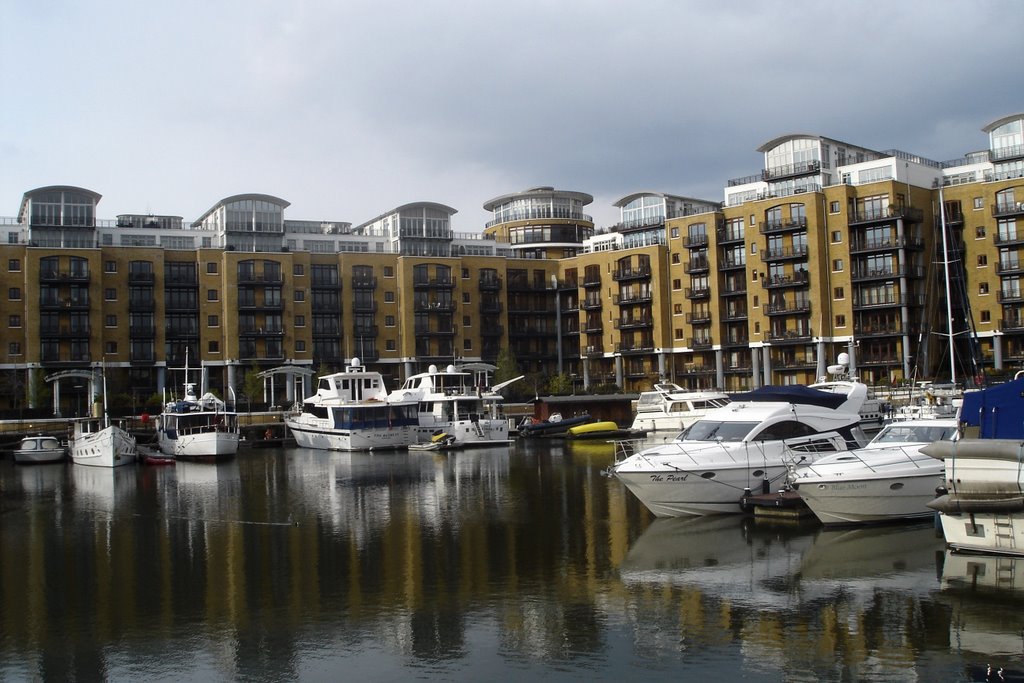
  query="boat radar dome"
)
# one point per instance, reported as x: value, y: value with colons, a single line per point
x: 843, y: 359
x: 450, y: 369
x: 355, y: 363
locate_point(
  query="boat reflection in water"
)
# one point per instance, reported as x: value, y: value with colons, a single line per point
x: 498, y: 563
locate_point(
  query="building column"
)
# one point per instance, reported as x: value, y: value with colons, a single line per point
x: 56, y: 395
x: 289, y: 389
x: 161, y: 380
x: 755, y: 358
x: 997, y: 351
x: 851, y: 351
x: 229, y: 390
x: 821, y: 369
x: 618, y: 371
x: 586, y: 373
x: 767, y: 351
x: 719, y: 369
x: 661, y: 365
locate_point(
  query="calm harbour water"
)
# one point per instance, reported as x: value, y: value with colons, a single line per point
x: 488, y: 564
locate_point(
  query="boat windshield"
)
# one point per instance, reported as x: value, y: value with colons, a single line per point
x: 716, y: 430
x: 897, y: 433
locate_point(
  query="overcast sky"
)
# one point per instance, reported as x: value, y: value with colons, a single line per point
x: 349, y: 109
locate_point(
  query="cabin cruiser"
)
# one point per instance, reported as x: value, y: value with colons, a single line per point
x: 197, y: 427
x: 459, y: 402
x: 746, y: 445
x: 40, y: 448
x: 670, y: 407
x: 889, y: 479
x: 353, y: 411
x: 839, y: 380
x: 98, y: 443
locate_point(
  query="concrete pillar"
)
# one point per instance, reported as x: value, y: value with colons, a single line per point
x: 161, y: 379
x: 230, y: 390
x: 755, y: 358
x: 618, y: 371
x: 56, y: 395
x: 661, y: 365
x: 767, y: 351
x: 586, y: 373
x: 719, y: 369
x: 820, y: 369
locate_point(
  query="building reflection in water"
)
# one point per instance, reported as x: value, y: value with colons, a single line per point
x: 295, y: 563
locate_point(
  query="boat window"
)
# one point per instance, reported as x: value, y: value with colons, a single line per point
x: 716, y: 430
x: 787, y: 429
x: 897, y: 433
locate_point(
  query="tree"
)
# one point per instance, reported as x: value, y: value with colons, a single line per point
x: 252, y: 385
x: 560, y: 385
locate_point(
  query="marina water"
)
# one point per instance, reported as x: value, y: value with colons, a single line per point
x: 483, y: 564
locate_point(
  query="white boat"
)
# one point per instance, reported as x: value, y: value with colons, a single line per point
x: 98, y: 443
x: 983, y: 508
x: 670, y: 407
x: 40, y: 449
x: 872, y: 412
x: 459, y: 402
x: 744, y: 446
x: 353, y: 411
x: 197, y: 427
x: 889, y: 479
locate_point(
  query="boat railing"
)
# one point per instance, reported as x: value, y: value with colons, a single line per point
x: 908, y: 458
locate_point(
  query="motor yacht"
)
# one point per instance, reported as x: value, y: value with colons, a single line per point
x: 670, y: 407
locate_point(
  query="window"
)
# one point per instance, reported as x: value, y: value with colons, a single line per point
x: 389, y: 271
x: 389, y: 345
x: 466, y: 321
x: 840, y: 320
x: 467, y: 344
x: 982, y: 288
x: 110, y: 266
x: 298, y: 269
x: 213, y: 346
x: 837, y: 236
x: 679, y: 333
x: 389, y: 321
x: 465, y: 273
x: 838, y: 293
x: 757, y: 301
x: 14, y: 321
x: 753, y: 247
x: 465, y: 297
x: 677, y: 283
x: 753, y: 275
x: 300, y: 321
x: 979, y: 203
x: 677, y: 309
x: 979, y: 232
x: 111, y: 347
x: 14, y: 348
x: 110, y: 294
x: 833, y: 207
x: 675, y: 233
x: 986, y: 316
x: 14, y: 265
x: 110, y: 321
x: 982, y: 260
x: 300, y: 345
x: 300, y: 295
x: 211, y: 295
x: 211, y: 268
x: 753, y: 220
x: 675, y: 257
x: 14, y: 294
x: 837, y: 265
x: 212, y: 321
x: 389, y: 297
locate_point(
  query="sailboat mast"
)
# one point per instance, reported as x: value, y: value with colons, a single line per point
x: 945, y: 274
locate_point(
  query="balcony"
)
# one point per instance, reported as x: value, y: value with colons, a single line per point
x: 492, y: 331
x: 365, y: 331
x: 260, y: 279
x: 697, y: 265
x: 1009, y: 296
x: 364, y: 282
x: 422, y: 306
x: 725, y: 263
x: 774, y: 227
x: 432, y: 283
x: 593, y: 351
x: 736, y: 340
x: 866, y: 274
x: 878, y: 330
x: 788, y: 308
x: 784, y: 253
x: 734, y: 315
x: 888, y: 244
x: 365, y: 306
x: 491, y: 307
x: 862, y: 302
x: 255, y: 331
x: 532, y: 331
x: 64, y: 331
x: 591, y: 281
x: 489, y: 284
x: 593, y: 327
x: 522, y: 284
x: 798, y: 279
x: 634, y: 323
x: 727, y: 236
x: 1008, y: 238
x: 795, y: 363
x: 1006, y: 153
x: 629, y: 273
x: 699, y: 342
x: 631, y: 298
x: 864, y: 216
x: 697, y: 292
x: 428, y: 331
x: 1009, y: 267
x: 734, y: 289
x: 791, y: 170
x: 1011, y: 324
x: 590, y: 304
x: 52, y: 276
x: 149, y: 331
x: 698, y: 317
x: 695, y: 241
x: 251, y: 305
x: 141, y: 278
x: 789, y: 336
x: 634, y: 347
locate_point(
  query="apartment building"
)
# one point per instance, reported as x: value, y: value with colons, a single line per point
x: 830, y: 247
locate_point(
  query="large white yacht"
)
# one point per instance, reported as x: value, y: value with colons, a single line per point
x: 887, y: 480
x: 744, y: 446
x: 670, y: 407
